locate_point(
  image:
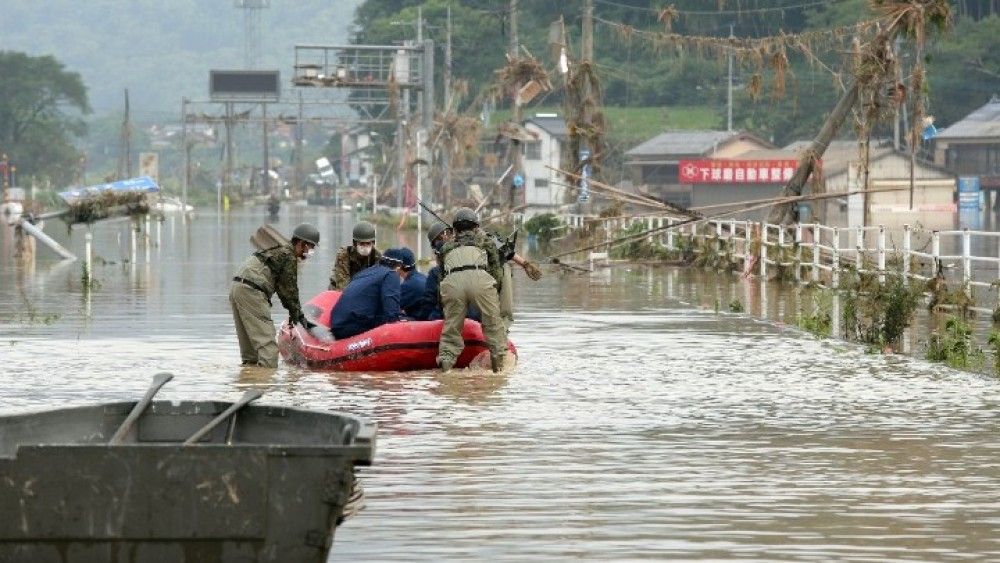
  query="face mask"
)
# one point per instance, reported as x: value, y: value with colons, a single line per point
x: 438, y: 244
x: 365, y: 249
x: 309, y: 254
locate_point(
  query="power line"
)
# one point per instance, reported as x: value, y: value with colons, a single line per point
x: 722, y: 12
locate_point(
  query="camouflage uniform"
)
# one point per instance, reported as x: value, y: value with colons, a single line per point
x: 472, y: 273
x: 347, y: 263
x: 270, y: 271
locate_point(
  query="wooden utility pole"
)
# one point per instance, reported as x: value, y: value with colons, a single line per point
x: 299, y: 170
x: 227, y: 180
x: 784, y: 214
x: 125, y: 150
x: 186, y: 175
x: 587, y: 152
x: 513, y: 54
x: 267, y: 157
x: 449, y: 146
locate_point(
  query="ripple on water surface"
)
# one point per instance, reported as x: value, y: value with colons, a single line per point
x: 634, y: 426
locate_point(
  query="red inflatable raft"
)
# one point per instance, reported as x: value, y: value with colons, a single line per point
x: 402, y: 346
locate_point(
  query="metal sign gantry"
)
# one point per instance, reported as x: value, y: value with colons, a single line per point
x: 379, y: 75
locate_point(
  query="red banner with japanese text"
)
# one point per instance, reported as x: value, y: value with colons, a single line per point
x: 715, y: 171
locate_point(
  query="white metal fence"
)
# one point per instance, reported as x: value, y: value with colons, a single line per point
x: 820, y: 254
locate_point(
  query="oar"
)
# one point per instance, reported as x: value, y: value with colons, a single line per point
x: 159, y: 380
x: 247, y: 397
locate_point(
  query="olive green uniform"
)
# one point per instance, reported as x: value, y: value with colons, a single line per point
x: 347, y: 263
x: 270, y: 271
x: 471, y: 274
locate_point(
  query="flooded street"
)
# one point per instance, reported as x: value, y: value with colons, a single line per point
x: 638, y: 424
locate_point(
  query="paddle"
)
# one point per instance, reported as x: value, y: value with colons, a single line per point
x: 247, y: 397
x: 159, y: 380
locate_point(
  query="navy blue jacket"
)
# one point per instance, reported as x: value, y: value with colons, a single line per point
x: 411, y: 299
x: 371, y: 299
x: 433, y: 310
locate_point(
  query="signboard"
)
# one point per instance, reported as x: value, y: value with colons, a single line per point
x: 714, y: 171
x: 968, y: 193
x: 324, y: 167
x: 225, y: 85
x: 140, y: 184
x: 149, y: 165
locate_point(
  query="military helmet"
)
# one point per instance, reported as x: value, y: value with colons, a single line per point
x: 436, y: 230
x: 307, y: 233
x: 363, y: 232
x: 465, y: 218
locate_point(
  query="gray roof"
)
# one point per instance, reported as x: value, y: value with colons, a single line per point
x: 681, y: 143
x: 984, y: 122
x: 555, y: 126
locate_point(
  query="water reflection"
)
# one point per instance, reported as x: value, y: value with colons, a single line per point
x: 638, y: 423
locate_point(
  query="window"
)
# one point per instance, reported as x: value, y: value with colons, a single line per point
x: 533, y: 150
x: 659, y: 174
x: 541, y: 183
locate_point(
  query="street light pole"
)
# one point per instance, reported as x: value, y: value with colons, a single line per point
x: 187, y: 157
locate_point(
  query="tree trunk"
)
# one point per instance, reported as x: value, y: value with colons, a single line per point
x: 785, y: 213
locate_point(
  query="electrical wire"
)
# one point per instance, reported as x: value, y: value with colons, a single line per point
x: 722, y: 12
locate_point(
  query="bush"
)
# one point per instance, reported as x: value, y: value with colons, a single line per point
x: 545, y: 226
x: 955, y: 346
x: 878, y: 313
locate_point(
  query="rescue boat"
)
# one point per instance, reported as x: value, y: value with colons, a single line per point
x: 401, y: 346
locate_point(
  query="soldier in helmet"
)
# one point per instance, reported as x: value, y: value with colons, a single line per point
x: 471, y: 274
x: 266, y: 272
x: 352, y: 259
x: 438, y: 234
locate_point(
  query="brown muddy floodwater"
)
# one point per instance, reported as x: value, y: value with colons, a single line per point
x: 639, y: 424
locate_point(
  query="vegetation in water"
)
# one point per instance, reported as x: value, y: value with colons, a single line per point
x: 818, y: 319
x: 955, y: 346
x: 87, y: 278
x: 877, y: 313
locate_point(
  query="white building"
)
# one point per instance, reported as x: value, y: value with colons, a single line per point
x: 544, y: 191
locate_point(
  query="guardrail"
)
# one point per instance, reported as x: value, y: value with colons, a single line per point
x: 819, y: 254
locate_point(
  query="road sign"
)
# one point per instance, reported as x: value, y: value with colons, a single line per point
x: 968, y: 193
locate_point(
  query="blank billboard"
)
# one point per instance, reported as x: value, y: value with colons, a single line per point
x: 244, y: 84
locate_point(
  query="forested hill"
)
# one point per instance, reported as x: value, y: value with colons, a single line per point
x: 162, y: 49
x: 962, y: 66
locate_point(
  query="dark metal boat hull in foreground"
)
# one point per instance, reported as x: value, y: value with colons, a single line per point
x: 273, y: 494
